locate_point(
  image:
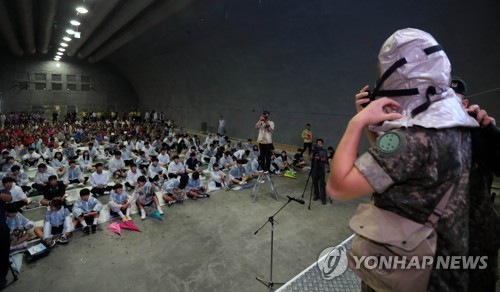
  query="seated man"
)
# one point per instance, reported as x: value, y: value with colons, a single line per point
x: 116, y: 166
x: 86, y: 211
x: 132, y: 175
x: 21, y: 179
x: 31, y: 158
x: 99, y: 181
x: 252, y: 168
x: 175, y: 168
x: 75, y: 174
x: 146, y: 196
x: 42, y: 176
x: 53, y: 190
x: 143, y: 161
x: 155, y: 172
x: 127, y: 156
x: 209, y: 153
x: 192, y: 163
x: 149, y: 150
x: 21, y: 229
x: 298, y: 159
x: 49, y: 154
x: 94, y: 152
x: 119, y: 202
x: 226, y: 161
x: 163, y: 158
x: 19, y: 198
x: 57, y: 221
x: 69, y: 152
x: 174, y: 190
x: 238, y: 174
x: 195, y: 188
x: 219, y: 177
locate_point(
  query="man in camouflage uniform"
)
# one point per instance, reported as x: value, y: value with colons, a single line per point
x: 484, y: 222
x: 421, y: 155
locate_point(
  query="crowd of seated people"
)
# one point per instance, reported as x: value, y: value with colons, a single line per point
x: 128, y: 159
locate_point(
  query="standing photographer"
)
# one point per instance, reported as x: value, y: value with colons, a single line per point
x: 265, y: 140
x: 318, y: 161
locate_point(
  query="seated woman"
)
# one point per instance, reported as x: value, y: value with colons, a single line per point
x: 85, y: 162
x: 219, y: 177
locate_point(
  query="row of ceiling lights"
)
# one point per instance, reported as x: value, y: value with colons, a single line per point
x: 71, y: 32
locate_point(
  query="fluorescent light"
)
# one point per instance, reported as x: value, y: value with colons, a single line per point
x: 60, y: 53
x: 75, y: 23
x: 58, y: 65
x: 67, y: 39
x: 81, y: 9
x: 62, y: 49
x: 64, y: 44
x: 77, y: 34
x: 70, y: 31
x: 57, y: 57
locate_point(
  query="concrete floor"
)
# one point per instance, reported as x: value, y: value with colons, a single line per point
x: 204, y: 245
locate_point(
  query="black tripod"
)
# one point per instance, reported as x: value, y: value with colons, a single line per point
x: 270, y: 284
x: 313, y: 165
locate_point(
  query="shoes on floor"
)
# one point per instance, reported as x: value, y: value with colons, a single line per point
x: 86, y: 230
x: 63, y: 240
x: 93, y: 228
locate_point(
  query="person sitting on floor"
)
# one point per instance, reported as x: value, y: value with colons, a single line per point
x: 192, y: 164
x: 143, y: 161
x: 75, y: 175
x: 146, y: 196
x: 226, y: 161
x: 53, y: 190
x: 163, y: 158
x: 219, y: 177
x: 21, y: 178
x: 132, y: 175
x: 85, y: 162
x: 94, y: 152
x: 209, y: 153
x: 252, y: 168
x: 69, y: 152
x: 99, y: 181
x: 127, y: 156
x: 116, y: 166
x: 195, y: 188
x: 57, y: 221
x: 238, y: 174
x: 86, y: 211
x: 298, y: 159
x: 174, y: 190
x: 42, y: 176
x: 175, y: 168
x: 155, y: 172
x: 19, y: 198
x: 21, y: 229
x: 119, y: 202
x: 49, y: 154
x: 60, y: 164
x: 31, y: 158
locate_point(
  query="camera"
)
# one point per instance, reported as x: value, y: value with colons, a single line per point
x: 371, y: 96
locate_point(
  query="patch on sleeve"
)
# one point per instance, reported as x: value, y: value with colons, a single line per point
x: 390, y: 142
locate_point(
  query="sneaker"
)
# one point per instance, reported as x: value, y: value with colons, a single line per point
x: 128, y: 217
x: 124, y: 219
x: 94, y: 228
x: 170, y: 203
x: 63, y: 240
x: 243, y: 183
x: 143, y: 215
x: 160, y: 211
x: 52, y: 243
x: 86, y: 230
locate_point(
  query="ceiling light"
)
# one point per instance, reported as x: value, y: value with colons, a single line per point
x: 81, y: 9
x: 58, y: 65
x: 64, y: 44
x: 57, y: 57
x: 70, y: 31
x: 67, y: 39
x: 77, y: 34
x: 62, y: 49
x: 60, y: 53
x: 75, y: 23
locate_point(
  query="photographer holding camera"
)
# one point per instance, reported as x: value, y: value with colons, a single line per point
x: 318, y: 157
x: 265, y: 140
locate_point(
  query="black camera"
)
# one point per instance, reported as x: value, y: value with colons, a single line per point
x: 370, y: 96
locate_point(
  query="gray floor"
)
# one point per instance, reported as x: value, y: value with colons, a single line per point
x: 204, y: 245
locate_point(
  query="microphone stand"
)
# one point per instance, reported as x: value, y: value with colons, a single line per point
x: 270, y: 284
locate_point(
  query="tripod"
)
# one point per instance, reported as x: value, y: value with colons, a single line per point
x: 263, y: 176
x: 313, y: 165
x: 270, y: 284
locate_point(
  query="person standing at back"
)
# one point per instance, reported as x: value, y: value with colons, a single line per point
x: 307, y: 137
x: 265, y: 140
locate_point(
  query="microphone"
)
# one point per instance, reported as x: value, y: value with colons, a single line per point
x: 296, y: 200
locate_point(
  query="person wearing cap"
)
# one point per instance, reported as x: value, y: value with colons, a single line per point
x: 484, y: 222
x: 420, y: 159
x: 265, y: 139
x: 54, y: 189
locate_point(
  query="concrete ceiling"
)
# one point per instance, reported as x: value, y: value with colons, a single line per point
x: 30, y: 27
